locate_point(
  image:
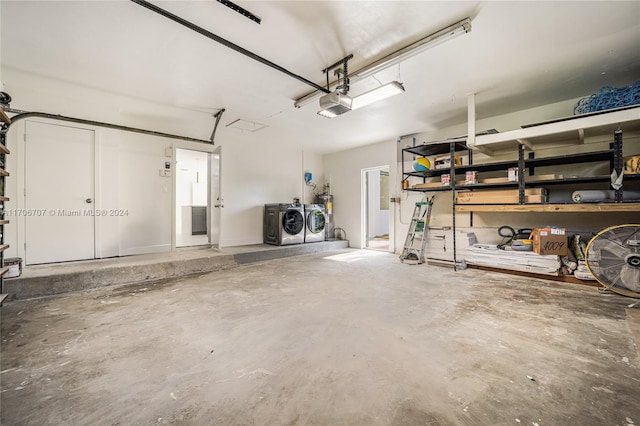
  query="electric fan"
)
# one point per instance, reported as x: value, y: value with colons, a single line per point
x: 613, y: 257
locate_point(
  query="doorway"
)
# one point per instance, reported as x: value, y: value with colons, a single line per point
x: 59, y: 193
x: 215, y: 193
x: 377, y: 215
x: 192, y: 198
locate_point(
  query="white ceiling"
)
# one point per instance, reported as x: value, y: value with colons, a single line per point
x: 518, y: 55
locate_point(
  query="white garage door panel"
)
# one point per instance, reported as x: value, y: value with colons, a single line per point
x: 59, y: 180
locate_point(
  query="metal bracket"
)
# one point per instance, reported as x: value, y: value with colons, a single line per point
x: 217, y: 116
x: 344, y: 87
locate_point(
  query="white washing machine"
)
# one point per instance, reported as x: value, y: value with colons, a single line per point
x: 315, y: 223
x: 283, y: 224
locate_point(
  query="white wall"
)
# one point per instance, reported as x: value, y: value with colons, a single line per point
x: 33, y: 92
x: 345, y: 170
x: 257, y: 172
x: 254, y: 171
x: 142, y: 192
x: 313, y: 163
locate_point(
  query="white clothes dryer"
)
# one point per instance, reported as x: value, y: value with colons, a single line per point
x: 315, y: 223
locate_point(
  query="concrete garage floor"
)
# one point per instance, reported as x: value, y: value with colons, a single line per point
x: 350, y: 337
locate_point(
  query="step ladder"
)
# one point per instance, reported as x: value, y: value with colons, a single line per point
x: 413, y: 249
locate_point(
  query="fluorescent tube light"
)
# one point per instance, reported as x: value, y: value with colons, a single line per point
x: 331, y: 108
x: 413, y: 49
x: 377, y: 94
x: 398, y: 56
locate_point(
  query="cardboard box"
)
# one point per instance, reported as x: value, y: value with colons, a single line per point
x: 550, y: 241
x: 427, y: 185
x: 536, y: 199
x: 632, y: 165
x: 495, y: 180
x: 444, y: 161
x: 503, y: 196
x: 15, y: 267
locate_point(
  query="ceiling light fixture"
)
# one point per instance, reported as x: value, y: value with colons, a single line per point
x: 379, y: 93
x: 435, y: 39
x: 336, y: 103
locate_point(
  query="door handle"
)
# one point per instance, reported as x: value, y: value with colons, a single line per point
x: 88, y: 200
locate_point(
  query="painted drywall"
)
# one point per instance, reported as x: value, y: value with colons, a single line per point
x: 32, y: 92
x: 313, y: 164
x: 142, y: 193
x: 258, y: 172
x: 345, y: 169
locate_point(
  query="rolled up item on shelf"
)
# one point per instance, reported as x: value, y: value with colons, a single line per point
x: 598, y: 196
x: 585, y: 276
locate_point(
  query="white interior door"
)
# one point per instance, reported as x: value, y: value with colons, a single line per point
x: 59, y: 190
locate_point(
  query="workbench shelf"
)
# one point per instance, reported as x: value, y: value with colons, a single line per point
x: 565, y: 132
x: 526, y: 169
x: 551, y: 208
x: 559, y: 160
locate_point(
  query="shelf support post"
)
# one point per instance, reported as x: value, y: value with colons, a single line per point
x: 471, y: 119
x: 521, y: 174
x: 452, y: 184
x: 617, y: 161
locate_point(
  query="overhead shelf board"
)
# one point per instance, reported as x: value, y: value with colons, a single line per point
x: 569, y: 130
x: 444, y: 146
